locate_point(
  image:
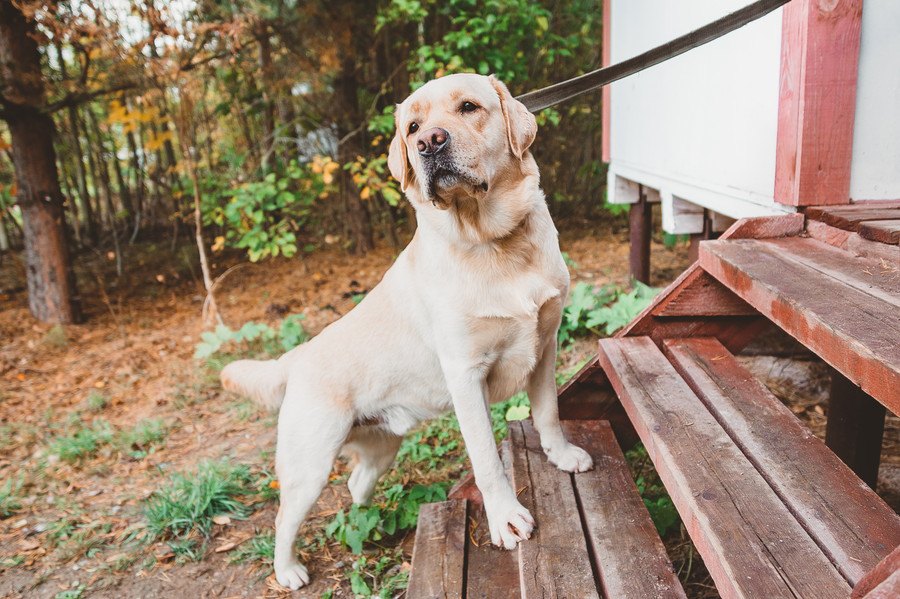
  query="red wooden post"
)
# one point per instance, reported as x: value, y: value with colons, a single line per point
x: 640, y: 227
x: 819, y: 56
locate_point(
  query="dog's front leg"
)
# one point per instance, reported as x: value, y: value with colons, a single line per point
x: 508, y: 520
x: 545, y: 412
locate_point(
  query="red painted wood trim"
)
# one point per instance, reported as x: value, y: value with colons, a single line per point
x: 607, y: 90
x: 817, y: 101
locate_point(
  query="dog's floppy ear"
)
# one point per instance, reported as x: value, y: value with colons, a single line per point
x: 521, y: 127
x: 398, y: 162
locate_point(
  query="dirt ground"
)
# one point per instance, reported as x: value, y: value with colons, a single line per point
x: 135, y: 350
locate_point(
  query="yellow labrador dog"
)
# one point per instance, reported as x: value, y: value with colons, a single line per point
x: 467, y: 315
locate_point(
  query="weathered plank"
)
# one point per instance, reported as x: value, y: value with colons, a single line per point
x: 878, y: 574
x: 888, y: 589
x: 554, y: 563
x: 851, y: 524
x: 491, y: 572
x: 883, y: 231
x: 439, y: 553
x: 854, y: 331
x: 869, y: 276
x: 702, y: 295
x: 852, y: 242
x: 751, y: 544
x: 852, y: 220
x: 628, y: 554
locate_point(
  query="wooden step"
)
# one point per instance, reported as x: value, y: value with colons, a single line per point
x: 752, y: 544
x: 594, y: 536
x: 844, y: 308
x: 850, y: 523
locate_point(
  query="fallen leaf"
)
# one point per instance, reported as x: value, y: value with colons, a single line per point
x: 222, y: 520
x: 225, y: 547
x: 30, y: 545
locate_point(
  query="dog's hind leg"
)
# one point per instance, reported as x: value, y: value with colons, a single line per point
x: 545, y: 412
x: 311, y: 430
x: 374, y: 450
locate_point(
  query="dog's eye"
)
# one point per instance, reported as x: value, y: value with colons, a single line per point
x: 413, y: 127
x: 468, y: 107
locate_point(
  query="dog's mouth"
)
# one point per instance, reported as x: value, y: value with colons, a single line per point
x: 446, y: 180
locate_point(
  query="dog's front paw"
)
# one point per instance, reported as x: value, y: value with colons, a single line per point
x: 292, y: 576
x: 570, y: 458
x: 509, y: 523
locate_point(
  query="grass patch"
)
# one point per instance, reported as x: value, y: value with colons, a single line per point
x: 659, y: 504
x: 381, y: 577
x: 96, y: 401
x: 10, y: 496
x: 140, y: 441
x: 258, y: 550
x: 185, y: 507
x: 82, y: 443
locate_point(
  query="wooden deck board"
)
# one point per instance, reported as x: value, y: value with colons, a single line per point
x: 555, y: 562
x: 628, y: 554
x: 855, y: 331
x: 438, y: 557
x: 491, y: 573
x: 851, y: 524
x: 884, y: 231
x: 750, y: 542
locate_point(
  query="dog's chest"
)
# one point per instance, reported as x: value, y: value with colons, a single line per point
x: 508, y: 333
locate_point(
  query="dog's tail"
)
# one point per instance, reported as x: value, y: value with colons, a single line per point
x: 263, y: 381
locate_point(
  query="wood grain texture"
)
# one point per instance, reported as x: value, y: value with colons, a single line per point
x: 855, y: 331
x: 878, y: 574
x: 882, y: 231
x: 439, y: 553
x: 765, y: 227
x: 851, y: 524
x: 491, y: 573
x: 627, y: 551
x: 888, y: 589
x: 703, y: 296
x: 853, y: 220
x: 817, y: 101
x: 853, y: 242
x: 554, y: 563
x: 750, y: 542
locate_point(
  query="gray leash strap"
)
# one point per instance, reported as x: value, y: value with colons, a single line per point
x: 560, y: 92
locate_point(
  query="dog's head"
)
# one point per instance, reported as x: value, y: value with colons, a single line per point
x: 456, y: 136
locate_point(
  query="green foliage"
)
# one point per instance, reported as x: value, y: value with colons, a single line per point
x: 601, y: 311
x: 381, y: 577
x: 75, y: 593
x: 10, y: 499
x: 258, y: 549
x: 82, y: 443
x: 659, y: 504
x: 670, y: 241
x: 432, y: 442
x: 139, y: 441
x: 188, y: 503
x: 289, y: 335
x: 263, y: 217
x: 96, y: 401
x: 396, y: 513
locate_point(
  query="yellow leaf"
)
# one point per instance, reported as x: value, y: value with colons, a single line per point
x: 327, y: 178
x: 219, y: 244
x: 364, y: 194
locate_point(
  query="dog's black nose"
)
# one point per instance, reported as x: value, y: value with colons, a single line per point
x: 432, y: 141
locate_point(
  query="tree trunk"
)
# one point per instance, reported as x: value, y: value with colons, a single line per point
x: 358, y: 222
x: 52, y: 295
x: 268, y: 92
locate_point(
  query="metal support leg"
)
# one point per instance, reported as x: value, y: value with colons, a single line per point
x: 855, y: 428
